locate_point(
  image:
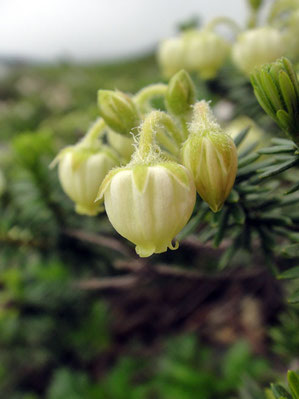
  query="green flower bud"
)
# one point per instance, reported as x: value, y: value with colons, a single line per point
x: 206, y: 52
x: 118, y: 111
x: 180, y: 94
x: 256, y: 47
x: 211, y: 156
x: 149, y: 204
x: 81, y: 171
x: 171, y: 53
x: 276, y: 88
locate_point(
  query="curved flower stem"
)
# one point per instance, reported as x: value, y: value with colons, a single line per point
x: 158, y: 124
x: 167, y: 143
x: 224, y: 20
x: 146, y: 140
x: 163, y: 120
x: 94, y: 132
x: 143, y: 98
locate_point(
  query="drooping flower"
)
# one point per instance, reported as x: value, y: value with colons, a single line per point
x: 150, y: 200
x: 206, y: 52
x: 256, y: 47
x: 82, y: 168
x: 171, y: 55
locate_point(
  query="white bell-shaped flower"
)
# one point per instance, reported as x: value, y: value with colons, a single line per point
x: 150, y: 200
x: 256, y: 47
x: 171, y: 55
x: 149, y: 204
x: 206, y: 52
x: 81, y: 173
x: 82, y: 168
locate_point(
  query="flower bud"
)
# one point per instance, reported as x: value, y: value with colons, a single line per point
x: 180, y: 94
x: 118, y: 111
x: 211, y: 156
x: 171, y: 53
x: 276, y: 88
x: 149, y: 204
x: 206, y: 52
x: 81, y: 171
x: 256, y: 47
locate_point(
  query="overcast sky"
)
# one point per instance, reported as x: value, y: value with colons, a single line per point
x: 98, y: 29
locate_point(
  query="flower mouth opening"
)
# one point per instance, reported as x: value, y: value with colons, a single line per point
x: 145, y: 251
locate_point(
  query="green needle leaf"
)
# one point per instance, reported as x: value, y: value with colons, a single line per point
x: 293, y: 380
x: 241, y: 136
x: 294, y: 298
x: 274, y: 170
x: 292, y: 273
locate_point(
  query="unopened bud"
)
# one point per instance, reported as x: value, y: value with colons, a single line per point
x: 276, y: 88
x: 256, y: 47
x: 211, y: 156
x: 118, y: 111
x: 180, y: 94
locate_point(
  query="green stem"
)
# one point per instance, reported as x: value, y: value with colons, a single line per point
x: 146, y: 139
x: 144, y: 97
x: 159, y: 124
x: 165, y: 121
x: 94, y: 132
x: 167, y: 143
x: 223, y: 20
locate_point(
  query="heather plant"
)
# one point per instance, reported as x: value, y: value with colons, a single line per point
x: 92, y: 301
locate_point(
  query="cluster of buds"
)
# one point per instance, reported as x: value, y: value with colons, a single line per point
x: 201, y: 51
x: 276, y: 88
x: 150, y: 198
